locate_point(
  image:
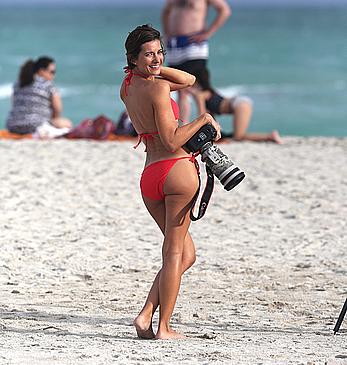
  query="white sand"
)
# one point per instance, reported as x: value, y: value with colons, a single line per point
x: 79, y: 252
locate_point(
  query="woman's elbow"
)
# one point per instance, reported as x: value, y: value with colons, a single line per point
x: 171, y: 146
x: 226, y: 11
x: 191, y: 80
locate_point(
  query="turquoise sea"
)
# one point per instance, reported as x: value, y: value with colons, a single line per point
x: 291, y: 61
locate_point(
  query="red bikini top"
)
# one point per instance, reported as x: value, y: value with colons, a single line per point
x: 174, y: 106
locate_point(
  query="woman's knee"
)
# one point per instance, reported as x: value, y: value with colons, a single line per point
x: 173, y: 247
x: 173, y: 259
x: 62, y: 122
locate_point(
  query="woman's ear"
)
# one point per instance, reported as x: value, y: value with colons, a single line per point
x: 133, y: 61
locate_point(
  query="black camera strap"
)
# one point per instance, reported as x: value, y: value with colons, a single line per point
x: 205, y: 196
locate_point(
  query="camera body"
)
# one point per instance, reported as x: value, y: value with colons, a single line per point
x: 205, y: 134
x: 219, y: 163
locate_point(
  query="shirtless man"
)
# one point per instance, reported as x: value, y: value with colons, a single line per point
x: 186, y: 33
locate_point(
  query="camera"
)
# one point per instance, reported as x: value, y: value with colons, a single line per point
x: 219, y: 163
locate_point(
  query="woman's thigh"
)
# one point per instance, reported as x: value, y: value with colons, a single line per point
x: 172, y: 214
x: 180, y: 187
x: 157, y: 210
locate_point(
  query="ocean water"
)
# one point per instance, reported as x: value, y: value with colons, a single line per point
x: 291, y: 61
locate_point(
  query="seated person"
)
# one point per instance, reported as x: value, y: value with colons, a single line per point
x: 124, y: 126
x: 241, y: 107
x: 36, y: 104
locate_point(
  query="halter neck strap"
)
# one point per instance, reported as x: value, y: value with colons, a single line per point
x: 129, y: 76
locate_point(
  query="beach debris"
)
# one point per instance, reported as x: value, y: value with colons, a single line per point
x: 51, y: 328
x: 208, y: 336
x: 85, y: 277
x: 303, y: 265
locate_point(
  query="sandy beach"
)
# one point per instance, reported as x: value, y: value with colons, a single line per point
x: 79, y: 252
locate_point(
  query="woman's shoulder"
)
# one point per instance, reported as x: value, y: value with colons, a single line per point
x: 44, y: 84
x: 38, y: 80
x: 160, y: 87
x: 122, y: 92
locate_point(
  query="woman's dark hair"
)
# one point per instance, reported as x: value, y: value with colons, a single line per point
x: 30, y: 67
x: 26, y: 73
x: 140, y: 35
x: 42, y: 63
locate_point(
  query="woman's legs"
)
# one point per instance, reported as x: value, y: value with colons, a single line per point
x: 184, y: 104
x: 143, y: 321
x: 242, y: 113
x: 180, y: 187
x: 158, y: 210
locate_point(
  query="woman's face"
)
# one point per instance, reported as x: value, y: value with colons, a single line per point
x: 48, y: 73
x: 150, y: 58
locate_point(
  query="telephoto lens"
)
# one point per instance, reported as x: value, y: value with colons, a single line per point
x: 221, y: 166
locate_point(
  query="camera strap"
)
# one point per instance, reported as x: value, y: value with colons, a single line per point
x: 205, y: 196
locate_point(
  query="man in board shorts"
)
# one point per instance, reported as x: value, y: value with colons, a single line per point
x: 186, y: 33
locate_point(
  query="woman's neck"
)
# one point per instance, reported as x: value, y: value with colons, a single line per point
x: 136, y: 72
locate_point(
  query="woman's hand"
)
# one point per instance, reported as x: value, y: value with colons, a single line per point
x: 214, y: 124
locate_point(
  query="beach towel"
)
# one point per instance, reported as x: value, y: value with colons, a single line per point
x: 99, y: 128
x: 5, y: 134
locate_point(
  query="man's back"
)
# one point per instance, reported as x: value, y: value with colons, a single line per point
x: 187, y: 33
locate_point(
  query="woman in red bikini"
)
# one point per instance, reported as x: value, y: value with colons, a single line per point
x: 169, y: 180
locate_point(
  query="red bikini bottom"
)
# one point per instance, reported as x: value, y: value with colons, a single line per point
x: 154, y: 175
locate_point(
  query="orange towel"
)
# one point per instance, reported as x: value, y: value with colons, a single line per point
x: 5, y: 134
x: 118, y: 137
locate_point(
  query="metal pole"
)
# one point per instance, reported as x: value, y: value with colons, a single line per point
x: 340, y: 319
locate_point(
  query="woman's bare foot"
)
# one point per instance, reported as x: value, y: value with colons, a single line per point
x: 143, y: 328
x: 169, y: 335
x: 275, y: 137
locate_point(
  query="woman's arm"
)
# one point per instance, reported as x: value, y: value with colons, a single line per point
x: 57, y: 106
x: 177, y: 79
x: 172, y: 136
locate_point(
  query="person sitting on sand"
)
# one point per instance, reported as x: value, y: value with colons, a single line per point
x: 169, y: 180
x: 36, y: 104
x: 240, y: 107
x: 125, y: 126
